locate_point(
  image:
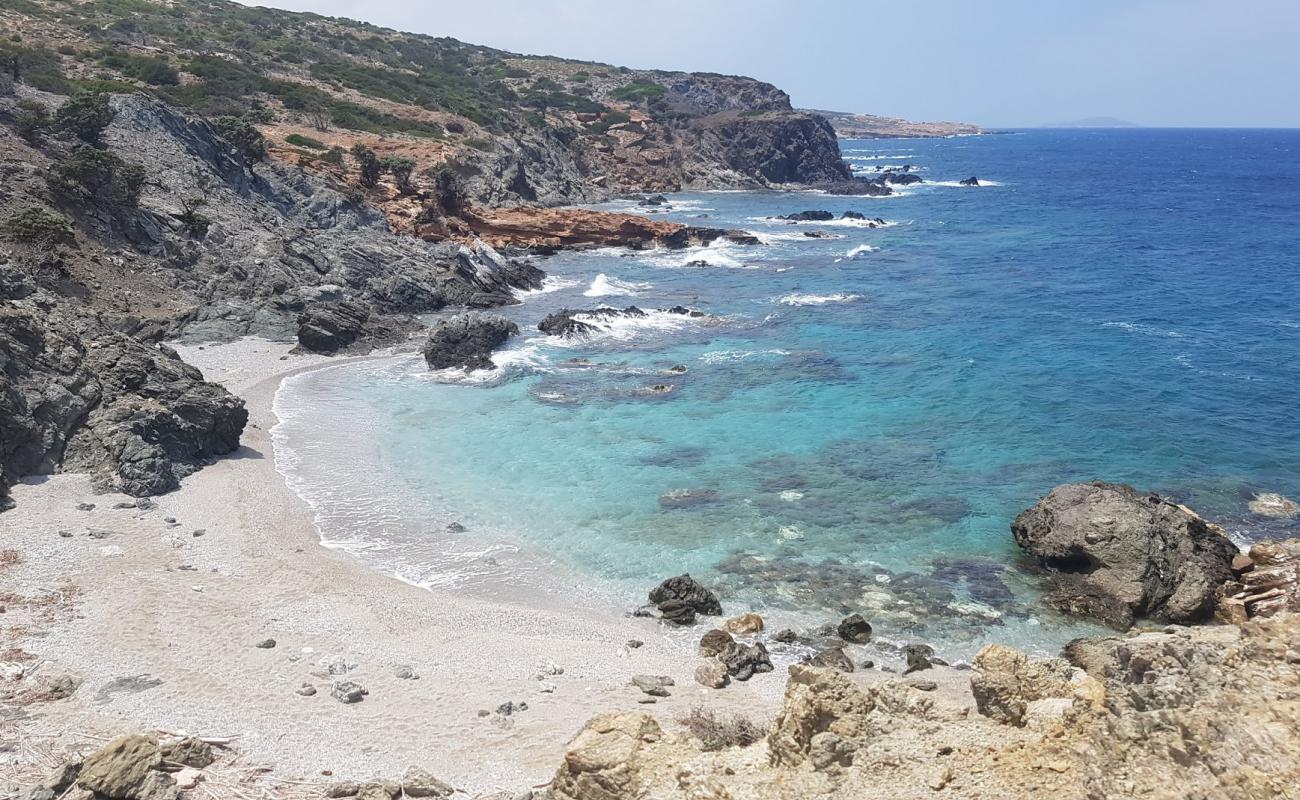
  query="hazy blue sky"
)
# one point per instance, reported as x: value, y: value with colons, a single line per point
x: 995, y: 62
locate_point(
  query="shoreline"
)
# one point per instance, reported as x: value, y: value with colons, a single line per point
x: 147, y: 601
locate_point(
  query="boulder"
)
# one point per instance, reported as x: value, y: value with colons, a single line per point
x: 749, y: 622
x: 971, y: 181
x: 711, y: 672
x: 809, y: 216
x: 127, y: 768
x: 606, y: 759
x: 1006, y: 681
x: 817, y: 701
x: 901, y: 178
x: 187, y: 752
x: 743, y: 661
x: 855, y: 629
x: 466, y: 341
x: 653, y: 685
x: 715, y: 642
x: 833, y: 658
x: 1116, y: 554
x: 918, y: 657
x: 418, y: 783
x: 686, y: 590
x: 1271, y: 504
x: 331, y: 327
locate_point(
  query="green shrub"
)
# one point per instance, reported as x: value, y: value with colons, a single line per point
x: 97, y: 177
x: 36, y: 66
x: 156, y: 71
x: 369, y: 165
x: 196, y: 224
x: 85, y: 116
x: 480, y: 144
x: 39, y: 227
x: 334, y: 156
x: 401, y: 169
x: 298, y: 140
x: 639, y: 89
x: 247, y: 140
x: 32, y: 120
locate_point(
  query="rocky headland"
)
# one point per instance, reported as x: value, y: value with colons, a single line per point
x: 869, y: 126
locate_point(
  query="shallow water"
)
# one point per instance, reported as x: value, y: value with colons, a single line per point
x: 861, y: 416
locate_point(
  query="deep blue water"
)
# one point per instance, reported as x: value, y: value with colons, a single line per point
x: 862, y: 425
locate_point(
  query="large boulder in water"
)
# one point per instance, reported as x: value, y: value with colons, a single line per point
x: 686, y: 591
x: 467, y: 341
x: 1117, y: 554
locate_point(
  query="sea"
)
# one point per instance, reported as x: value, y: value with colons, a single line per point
x: 863, y: 406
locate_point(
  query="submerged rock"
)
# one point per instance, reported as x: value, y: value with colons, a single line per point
x: 466, y: 341
x: 689, y: 498
x: 1271, y: 504
x: 1115, y: 554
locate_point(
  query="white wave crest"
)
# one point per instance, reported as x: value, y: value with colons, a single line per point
x: 551, y: 283
x: 622, y: 328
x: 830, y: 223
x: 817, y: 299
x: 723, y: 356
x: 1145, y: 330
x: 958, y: 184
x: 603, y: 286
x: 724, y: 254
x: 508, y: 364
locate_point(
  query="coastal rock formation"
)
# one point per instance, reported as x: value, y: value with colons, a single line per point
x: 971, y: 181
x: 1268, y: 584
x: 331, y: 327
x: 869, y: 126
x: 85, y: 397
x: 1006, y: 681
x: 679, y: 599
x: 466, y: 341
x: 128, y: 768
x: 809, y: 216
x: 609, y: 759
x: 1271, y: 504
x: 1116, y: 554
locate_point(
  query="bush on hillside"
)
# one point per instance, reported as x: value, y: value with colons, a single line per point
x: 369, y: 165
x: 32, y: 120
x: 37, y: 226
x: 247, y: 140
x: 97, y: 177
x: 298, y: 140
x: 85, y: 116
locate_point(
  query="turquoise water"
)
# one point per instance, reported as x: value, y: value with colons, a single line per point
x: 861, y: 416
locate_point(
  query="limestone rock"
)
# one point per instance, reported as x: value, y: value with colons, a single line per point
x: 606, y: 759
x: 749, y: 622
x: 419, y: 783
x: 711, y: 672
x: 127, y: 769
x: 187, y: 752
x: 714, y: 643
x: 1006, y: 681
x: 833, y: 658
x: 1116, y: 554
x: 1271, y: 504
x: 817, y: 701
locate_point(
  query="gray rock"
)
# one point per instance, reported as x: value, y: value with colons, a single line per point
x: 348, y: 692
x: 306, y: 690
x: 918, y: 657
x: 744, y: 661
x: 405, y: 673
x: 187, y: 752
x: 265, y: 644
x: 1116, y: 554
x: 855, y: 629
x: 835, y: 658
x: 466, y: 341
x: 127, y: 769
x: 653, y: 685
x: 687, y: 591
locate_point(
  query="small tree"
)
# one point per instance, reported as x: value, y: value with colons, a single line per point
x: 85, y: 116
x: 334, y: 156
x: 401, y: 169
x: 369, y: 165
x: 98, y: 177
x: 32, y: 120
x: 319, y: 117
x: 196, y: 224
x: 449, y: 191
x: 247, y: 140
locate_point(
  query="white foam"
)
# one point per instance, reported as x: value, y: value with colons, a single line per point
x: 551, y: 283
x: 817, y: 299
x: 772, y: 238
x: 832, y: 223
x: 720, y: 253
x: 859, y: 250
x: 621, y: 328
x: 1146, y: 330
x: 723, y: 356
x: 509, y: 363
x: 958, y: 184
x: 603, y: 286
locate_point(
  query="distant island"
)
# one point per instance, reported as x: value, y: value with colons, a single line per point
x: 1094, y: 122
x: 848, y: 125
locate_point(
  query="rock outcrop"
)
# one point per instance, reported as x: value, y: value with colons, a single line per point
x: 1117, y: 555
x: 611, y: 759
x: 1006, y: 682
x: 466, y: 341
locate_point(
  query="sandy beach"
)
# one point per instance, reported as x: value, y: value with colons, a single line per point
x: 158, y: 612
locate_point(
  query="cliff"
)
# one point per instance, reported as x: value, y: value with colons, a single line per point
x: 868, y: 126
x: 514, y: 129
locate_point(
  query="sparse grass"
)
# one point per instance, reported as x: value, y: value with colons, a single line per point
x: 718, y: 731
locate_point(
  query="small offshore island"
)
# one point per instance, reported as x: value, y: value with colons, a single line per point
x: 301, y: 318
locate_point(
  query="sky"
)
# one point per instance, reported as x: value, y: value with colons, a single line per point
x: 999, y: 63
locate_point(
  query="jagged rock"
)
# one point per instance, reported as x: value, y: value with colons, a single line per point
x: 187, y: 752
x: 1116, y: 555
x: 715, y: 642
x: 855, y: 629
x: 817, y: 701
x: 971, y: 181
x: 1272, y: 585
x: 606, y: 759
x: 343, y: 789
x: 331, y: 327
x: 1006, y: 681
x: 419, y: 783
x: 901, y: 178
x: 127, y: 769
x: 466, y: 341
x: 686, y: 590
x: 918, y: 657
x: 79, y: 394
x: 743, y: 661
x: 786, y: 636
x: 711, y: 672
x: 749, y: 622
x: 565, y: 322
x: 1271, y: 504
x: 834, y: 658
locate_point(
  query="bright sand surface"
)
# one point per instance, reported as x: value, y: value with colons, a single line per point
x: 152, y: 600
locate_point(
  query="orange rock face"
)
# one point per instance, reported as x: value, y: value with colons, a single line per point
x: 568, y: 227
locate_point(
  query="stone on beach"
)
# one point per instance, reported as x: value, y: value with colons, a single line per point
x: 855, y: 629
x: 348, y: 692
x: 127, y: 768
x: 687, y: 592
x: 714, y: 642
x: 749, y: 622
x: 711, y: 672
x: 653, y: 685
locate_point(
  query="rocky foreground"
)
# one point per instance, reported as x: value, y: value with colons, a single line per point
x: 1161, y: 711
